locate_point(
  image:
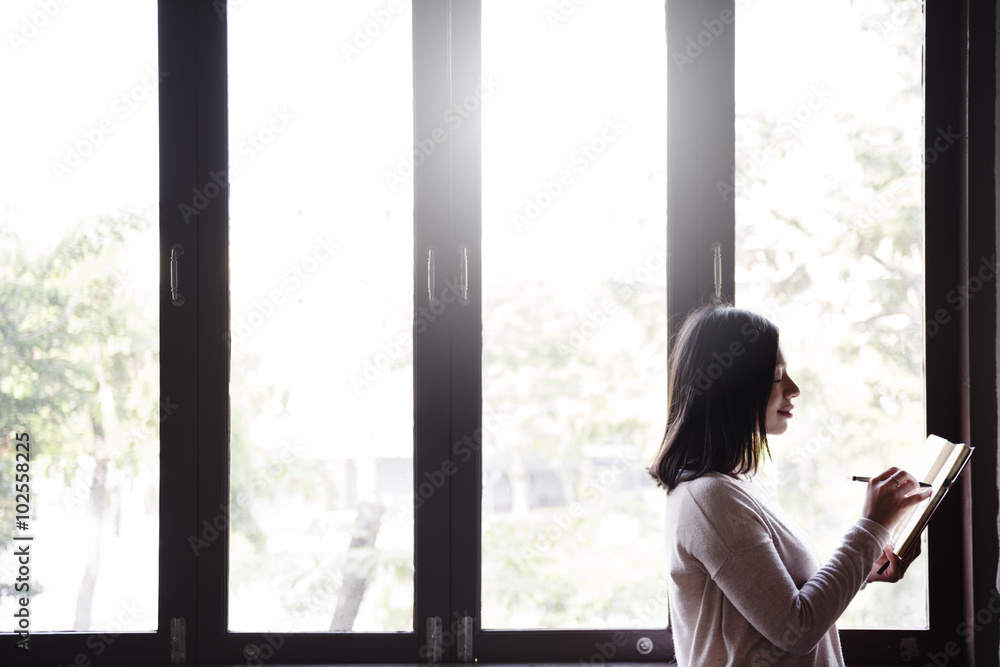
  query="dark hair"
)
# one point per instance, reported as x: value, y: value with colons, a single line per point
x: 721, y: 372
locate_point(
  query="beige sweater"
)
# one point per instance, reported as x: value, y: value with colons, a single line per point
x: 745, y: 586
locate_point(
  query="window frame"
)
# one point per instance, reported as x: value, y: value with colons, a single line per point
x: 703, y: 97
x: 214, y: 642
x: 195, y: 340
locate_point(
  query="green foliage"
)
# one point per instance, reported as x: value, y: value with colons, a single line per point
x: 78, y: 356
x: 553, y: 569
x: 847, y: 290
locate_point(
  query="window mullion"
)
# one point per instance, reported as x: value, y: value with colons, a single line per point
x: 465, y: 315
x: 434, y: 265
x: 178, y: 328
x: 206, y: 636
x: 701, y: 138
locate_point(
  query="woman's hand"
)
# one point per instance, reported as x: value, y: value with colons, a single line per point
x: 890, y: 495
x: 897, y: 566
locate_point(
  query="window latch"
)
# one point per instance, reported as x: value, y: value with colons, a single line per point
x: 176, y: 297
x: 717, y: 265
x: 431, y: 277
x: 465, y: 627
x: 178, y: 641
x: 463, y: 274
x: 435, y: 639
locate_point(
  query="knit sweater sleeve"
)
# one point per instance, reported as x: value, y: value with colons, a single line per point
x: 734, y: 539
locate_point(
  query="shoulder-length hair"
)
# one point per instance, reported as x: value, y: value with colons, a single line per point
x: 721, y: 374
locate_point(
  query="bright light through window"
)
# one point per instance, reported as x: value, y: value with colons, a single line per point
x: 574, y: 314
x: 829, y: 219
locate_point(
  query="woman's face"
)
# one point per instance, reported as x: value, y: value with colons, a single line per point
x: 779, y: 405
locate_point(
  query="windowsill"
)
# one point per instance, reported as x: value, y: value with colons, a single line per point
x: 460, y: 664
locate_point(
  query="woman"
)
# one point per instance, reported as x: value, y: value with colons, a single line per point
x: 745, y: 586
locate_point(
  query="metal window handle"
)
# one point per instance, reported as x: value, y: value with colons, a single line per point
x: 463, y: 274
x: 465, y: 632
x: 435, y: 639
x: 431, y: 278
x: 176, y: 297
x: 717, y: 264
x: 178, y: 641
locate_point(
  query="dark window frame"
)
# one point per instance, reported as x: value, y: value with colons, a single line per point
x: 961, y: 395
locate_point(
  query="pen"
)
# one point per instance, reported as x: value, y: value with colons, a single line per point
x: 856, y: 478
x: 868, y: 479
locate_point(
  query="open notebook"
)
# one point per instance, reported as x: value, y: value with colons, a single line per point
x: 944, y: 470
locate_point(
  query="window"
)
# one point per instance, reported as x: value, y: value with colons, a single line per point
x: 321, y: 389
x: 80, y: 405
x: 574, y: 273
x: 829, y: 244
x: 756, y: 212
x: 416, y: 281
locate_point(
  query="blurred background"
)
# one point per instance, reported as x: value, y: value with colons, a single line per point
x: 828, y: 193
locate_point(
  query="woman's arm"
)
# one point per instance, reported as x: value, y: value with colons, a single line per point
x: 757, y: 582
x: 796, y: 619
x: 737, y: 548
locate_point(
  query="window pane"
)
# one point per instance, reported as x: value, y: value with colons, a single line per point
x: 320, y: 99
x: 79, y: 315
x: 829, y: 217
x: 574, y: 313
